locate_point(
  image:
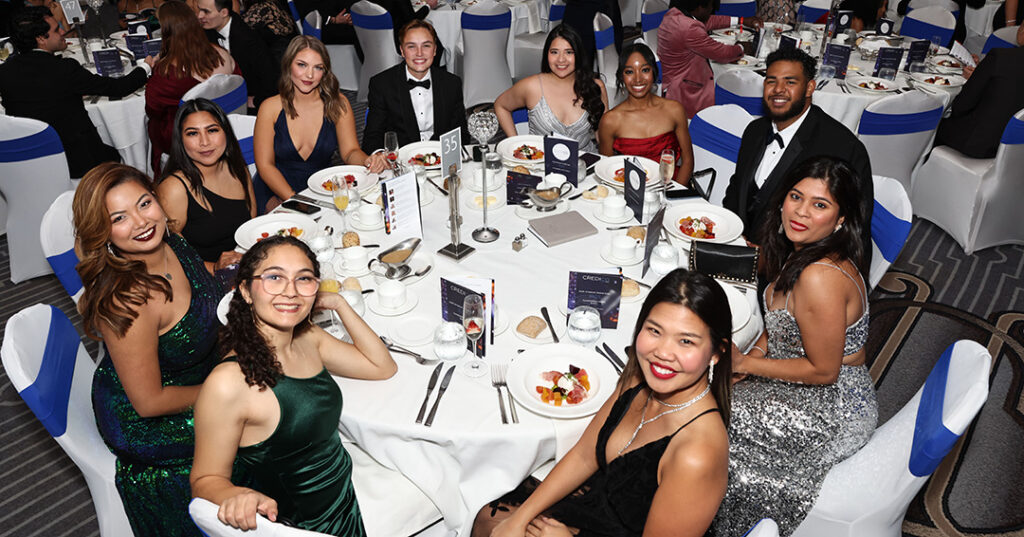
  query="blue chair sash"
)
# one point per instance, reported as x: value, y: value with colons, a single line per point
x: 486, y: 22
x: 888, y: 232
x: 1014, y: 132
x: 233, y: 100
x: 753, y: 105
x: 993, y: 41
x: 41, y: 144
x: 810, y: 14
x: 520, y: 115
x: 49, y: 394
x: 873, y: 123
x: 714, y: 139
x: 557, y: 13
x: 294, y: 10
x: 651, y: 21
x: 604, y: 38
x: 248, y: 154
x: 372, y: 22
x: 956, y: 13
x: 746, y: 9
x: 922, y: 30
x: 64, y: 268
x: 932, y: 440
x: 308, y: 29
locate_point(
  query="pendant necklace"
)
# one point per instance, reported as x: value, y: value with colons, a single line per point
x: 675, y: 408
x: 167, y: 273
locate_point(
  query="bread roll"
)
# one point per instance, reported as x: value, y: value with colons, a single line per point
x: 600, y: 192
x: 531, y: 326
x: 521, y: 169
x: 630, y: 288
x: 350, y: 238
x: 637, y: 232
x: 351, y: 284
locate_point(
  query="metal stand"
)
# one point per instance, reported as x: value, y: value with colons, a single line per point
x: 456, y: 250
x: 485, y: 233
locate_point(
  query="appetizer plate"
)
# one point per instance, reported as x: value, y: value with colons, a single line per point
x: 264, y: 226
x: 524, y: 375
x: 608, y: 167
x: 728, y: 225
x: 223, y: 306
x: 365, y: 181
x: 748, y: 62
x: 412, y: 332
x: 872, y: 84
x: 421, y: 148
x: 946, y: 64
x: 944, y: 82
x: 777, y: 27
x: 507, y: 147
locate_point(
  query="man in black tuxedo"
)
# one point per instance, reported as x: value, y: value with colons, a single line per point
x: 416, y: 99
x: 34, y: 83
x: 227, y: 29
x: 792, y: 131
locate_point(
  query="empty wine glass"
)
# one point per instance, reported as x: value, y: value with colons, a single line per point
x: 473, y: 322
x: 933, y: 48
x: 584, y: 326
x: 826, y: 72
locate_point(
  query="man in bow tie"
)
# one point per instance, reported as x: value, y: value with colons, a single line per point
x: 226, y: 28
x: 416, y: 99
x: 791, y: 131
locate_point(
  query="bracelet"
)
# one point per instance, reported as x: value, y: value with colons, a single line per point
x: 763, y: 352
x: 1008, y: 21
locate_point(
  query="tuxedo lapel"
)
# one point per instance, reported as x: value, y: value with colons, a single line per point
x: 440, y: 113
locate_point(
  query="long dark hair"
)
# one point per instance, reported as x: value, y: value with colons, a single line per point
x: 628, y: 51
x: 329, y: 88
x: 783, y: 263
x: 179, y: 160
x: 184, y: 49
x: 704, y: 297
x: 584, y: 86
x: 241, y: 335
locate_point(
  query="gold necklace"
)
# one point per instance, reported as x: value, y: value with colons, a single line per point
x: 676, y: 408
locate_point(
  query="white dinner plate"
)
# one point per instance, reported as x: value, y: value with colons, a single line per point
x: 941, y: 82
x: 606, y: 168
x: 946, y: 64
x: 524, y: 375
x: 728, y: 226
x: 252, y: 231
x: 223, y: 306
x: 421, y: 148
x: 887, y: 86
x: 544, y: 336
x: 365, y: 181
x: 748, y: 62
x: 412, y: 332
x: 507, y: 147
x: 738, y: 306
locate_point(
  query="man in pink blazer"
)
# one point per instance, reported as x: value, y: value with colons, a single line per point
x: 684, y: 48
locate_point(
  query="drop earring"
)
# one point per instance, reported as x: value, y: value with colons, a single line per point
x: 838, y: 227
x: 711, y: 373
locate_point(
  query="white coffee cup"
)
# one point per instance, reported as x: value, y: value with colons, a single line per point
x: 367, y: 215
x: 552, y: 180
x: 624, y: 247
x: 391, y: 293
x: 354, y: 258
x: 614, y: 206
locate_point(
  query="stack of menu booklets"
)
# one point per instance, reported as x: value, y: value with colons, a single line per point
x: 561, y: 228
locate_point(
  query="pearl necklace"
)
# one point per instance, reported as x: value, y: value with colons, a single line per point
x: 675, y: 408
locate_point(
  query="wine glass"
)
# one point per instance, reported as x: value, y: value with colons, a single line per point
x: 473, y: 322
x: 933, y: 48
x: 668, y: 165
x: 391, y: 147
x: 584, y: 326
x: 482, y: 126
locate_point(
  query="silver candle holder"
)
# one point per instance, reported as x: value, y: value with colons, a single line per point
x: 456, y: 250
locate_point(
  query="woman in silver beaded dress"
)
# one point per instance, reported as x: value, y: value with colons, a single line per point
x: 804, y: 401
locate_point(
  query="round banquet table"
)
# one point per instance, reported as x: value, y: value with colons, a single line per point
x: 468, y: 457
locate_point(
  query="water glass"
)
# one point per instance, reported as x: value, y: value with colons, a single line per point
x: 584, y: 326
x: 887, y: 73
x: 450, y: 341
x: 918, y: 67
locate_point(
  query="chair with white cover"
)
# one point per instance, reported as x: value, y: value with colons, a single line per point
x: 737, y: 8
x: 891, y: 220
x: 529, y: 48
x: 485, y: 33
x: 715, y: 133
x: 607, y: 56
x: 521, y: 117
x: 945, y: 4
x: 812, y: 10
x: 376, y: 33
x: 743, y: 87
x: 46, y: 362
x: 897, y: 131
x: 344, y: 59
x: 312, y: 24
x: 204, y: 514
x: 391, y: 505
x: 295, y: 15
x: 977, y: 201
x: 556, y: 14
x: 1005, y: 37
x: 228, y: 91
x: 630, y: 11
x: 57, y: 237
x: 244, y: 127
x: 33, y: 172
x: 765, y: 527
x: 651, y: 15
x: 868, y: 493
x: 929, y: 22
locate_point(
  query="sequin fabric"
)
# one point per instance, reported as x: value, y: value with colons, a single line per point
x: 154, y: 455
x: 784, y: 437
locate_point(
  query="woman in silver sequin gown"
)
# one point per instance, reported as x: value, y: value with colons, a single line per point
x: 807, y: 401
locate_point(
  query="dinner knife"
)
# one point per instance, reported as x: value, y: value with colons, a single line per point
x: 615, y: 366
x: 547, y: 319
x: 431, y: 181
x: 312, y: 201
x: 440, y: 393
x: 430, y: 388
x: 613, y: 356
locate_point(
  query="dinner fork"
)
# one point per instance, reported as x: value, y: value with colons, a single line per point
x: 498, y: 372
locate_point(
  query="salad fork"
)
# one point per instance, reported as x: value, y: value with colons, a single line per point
x: 498, y: 380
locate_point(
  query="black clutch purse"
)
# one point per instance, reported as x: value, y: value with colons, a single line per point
x: 725, y: 261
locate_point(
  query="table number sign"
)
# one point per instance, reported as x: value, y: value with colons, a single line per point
x: 152, y: 47
x: 451, y: 151
x: 72, y: 10
x: 837, y: 56
x: 400, y: 197
x: 888, y: 58
x: 884, y: 27
x: 516, y: 186
x: 561, y: 155
x: 635, y: 185
x: 917, y: 53
x: 108, y: 62
x: 653, y: 234
x: 599, y: 291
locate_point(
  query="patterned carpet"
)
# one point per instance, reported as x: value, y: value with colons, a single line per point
x: 934, y: 295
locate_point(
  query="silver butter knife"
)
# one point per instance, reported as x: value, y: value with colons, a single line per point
x: 440, y: 393
x: 311, y: 201
x: 544, y: 312
x: 430, y: 388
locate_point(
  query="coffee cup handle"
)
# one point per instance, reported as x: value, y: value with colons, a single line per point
x: 564, y: 189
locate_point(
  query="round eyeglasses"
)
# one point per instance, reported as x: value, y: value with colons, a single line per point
x: 275, y: 284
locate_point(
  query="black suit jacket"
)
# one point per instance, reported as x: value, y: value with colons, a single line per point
x: 253, y: 58
x: 819, y: 135
x: 401, y: 10
x: 390, y: 107
x: 986, y: 103
x: 42, y: 86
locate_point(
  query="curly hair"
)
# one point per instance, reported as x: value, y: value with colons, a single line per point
x: 113, y: 284
x: 586, y: 89
x: 329, y: 88
x: 241, y: 334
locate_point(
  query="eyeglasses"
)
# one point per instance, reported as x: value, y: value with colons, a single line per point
x: 275, y: 284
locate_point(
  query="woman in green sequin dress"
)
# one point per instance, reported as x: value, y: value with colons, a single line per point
x: 285, y: 436
x: 150, y: 299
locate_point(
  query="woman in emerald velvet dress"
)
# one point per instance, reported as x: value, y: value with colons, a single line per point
x: 285, y: 437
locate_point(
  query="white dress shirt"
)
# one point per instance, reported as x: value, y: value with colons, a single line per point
x: 773, y: 153
x: 422, y: 106
x: 225, y: 32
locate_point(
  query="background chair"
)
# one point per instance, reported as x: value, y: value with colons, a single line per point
x: 529, y: 48
x: 244, y: 126
x: 376, y: 34
x: 1005, y: 37
x: 890, y: 226
x: 737, y: 8
x: 715, y: 133
x: 521, y: 117
x: 33, y: 172
x: 765, y: 527
x: 630, y: 11
x: 868, y: 493
x: 295, y: 15
x: 312, y: 24
x: 812, y: 10
x: 977, y: 201
x: 897, y: 131
x: 204, y: 514
x: 228, y: 91
x: 344, y: 59
x: 651, y: 15
x: 607, y: 56
x: 929, y: 23
x: 48, y: 365
x: 742, y: 87
x: 57, y: 237
x: 949, y: 5
x: 485, y: 33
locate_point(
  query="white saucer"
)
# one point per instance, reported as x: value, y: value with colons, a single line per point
x: 373, y: 302
x: 529, y: 214
x: 606, y: 254
x: 344, y: 272
x: 500, y: 323
x: 412, y: 332
x: 627, y: 215
x: 355, y: 224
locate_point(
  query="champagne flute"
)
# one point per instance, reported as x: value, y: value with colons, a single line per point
x: 391, y: 148
x: 668, y: 165
x: 473, y: 322
x: 341, y: 193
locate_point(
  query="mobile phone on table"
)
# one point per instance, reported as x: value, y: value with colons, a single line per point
x: 589, y: 159
x: 680, y: 193
x: 300, y: 207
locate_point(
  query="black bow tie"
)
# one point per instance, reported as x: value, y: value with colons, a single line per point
x: 425, y: 84
x: 772, y: 137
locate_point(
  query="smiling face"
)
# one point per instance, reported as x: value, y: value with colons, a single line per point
x: 286, y: 310
x: 787, y: 92
x: 561, y: 58
x: 307, y: 70
x: 809, y: 212
x: 638, y: 76
x: 137, y: 222
x: 674, y: 350
x: 418, y: 49
x: 203, y: 138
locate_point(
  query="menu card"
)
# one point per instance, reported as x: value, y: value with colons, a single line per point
x: 136, y: 44
x: 152, y: 47
x: 516, y: 186
x: 843, y: 19
x: 454, y: 291
x: 961, y: 53
x: 884, y: 27
x: 653, y: 234
x: 837, y: 56
x: 451, y: 151
x: 918, y: 52
x: 635, y: 184
x: 888, y: 58
x: 601, y: 291
x: 108, y: 62
x: 561, y: 155
x: 787, y: 42
x: 401, y: 200
x: 138, y: 28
